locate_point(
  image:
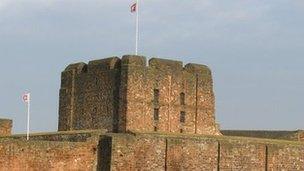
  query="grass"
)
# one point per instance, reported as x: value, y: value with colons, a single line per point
x: 167, y: 135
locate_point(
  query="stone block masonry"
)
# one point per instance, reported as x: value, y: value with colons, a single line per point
x: 5, y: 127
x: 283, y: 135
x: 111, y: 151
x: 167, y: 152
x: 127, y: 94
x: 56, y: 151
x: 40, y: 155
x: 89, y: 95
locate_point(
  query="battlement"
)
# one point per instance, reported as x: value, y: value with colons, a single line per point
x: 129, y: 94
x: 102, y: 64
x: 198, y: 69
x: 164, y: 64
x: 131, y: 60
x: 5, y: 127
x: 77, y: 67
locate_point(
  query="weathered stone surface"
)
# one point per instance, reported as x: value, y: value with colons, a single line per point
x: 138, y: 153
x: 284, y: 135
x: 66, y: 151
x: 192, y: 154
x: 5, y: 127
x: 242, y: 155
x: 89, y: 96
x: 119, y: 95
x: 97, y: 150
x: 285, y: 157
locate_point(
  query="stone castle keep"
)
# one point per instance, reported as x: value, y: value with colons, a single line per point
x: 126, y: 94
x: 127, y: 114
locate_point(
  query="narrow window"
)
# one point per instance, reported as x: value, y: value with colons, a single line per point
x: 181, y: 130
x: 156, y: 96
x: 182, y: 98
x: 182, y: 117
x: 156, y: 114
x: 96, y: 81
x: 93, y: 116
x: 155, y: 128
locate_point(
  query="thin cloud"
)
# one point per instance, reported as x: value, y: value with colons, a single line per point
x: 4, y: 4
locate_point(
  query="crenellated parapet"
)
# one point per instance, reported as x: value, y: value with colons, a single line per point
x: 129, y: 94
x: 89, y: 95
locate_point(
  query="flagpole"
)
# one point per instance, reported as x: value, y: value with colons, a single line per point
x: 137, y: 27
x: 28, y: 118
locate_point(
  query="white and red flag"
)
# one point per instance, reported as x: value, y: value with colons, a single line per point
x: 26, y: 97
x: 134, y: 7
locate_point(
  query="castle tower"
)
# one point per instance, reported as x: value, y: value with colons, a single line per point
x: 123, y: 95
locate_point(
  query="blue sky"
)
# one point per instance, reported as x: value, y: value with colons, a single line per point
x: 254, y: 48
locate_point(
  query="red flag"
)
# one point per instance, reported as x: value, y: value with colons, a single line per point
x: 26, y: 97
x: 134, y: 7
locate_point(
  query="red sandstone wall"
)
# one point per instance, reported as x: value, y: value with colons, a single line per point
x: 131, y: 153
x: 190, y: 89
x: 89, y: 95
x: 142, y: 152
x: 138, y: 103
x: 5, y: 127
x: 194, y: 154
x: 116, y: 94
x: 167, y: 78
x: 135, y: 104
x: 242, y: 155
x: 283, y: 135
x: 43, y: 155
x: 284, y: 157
x: 203, y: 100
x: 66, y: 96
x: 301, y: 136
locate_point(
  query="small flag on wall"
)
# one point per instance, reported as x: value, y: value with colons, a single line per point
x: 134, y: 7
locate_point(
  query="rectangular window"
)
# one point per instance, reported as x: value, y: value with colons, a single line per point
x: 182, y: 117
x: 182, y: 98
x: 156, y: 96
x: 156, y: 114
x: 155, y: 128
